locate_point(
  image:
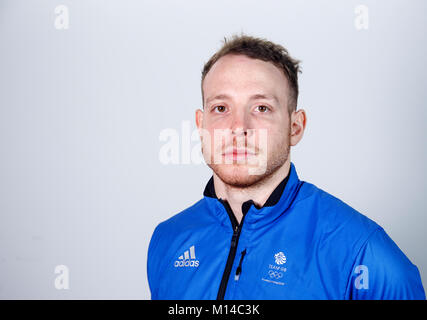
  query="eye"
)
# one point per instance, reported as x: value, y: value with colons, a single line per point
x: 219, y: 109
x: 262, y: 108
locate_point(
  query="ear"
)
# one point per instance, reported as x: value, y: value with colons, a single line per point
x: 199, y: 119
x: 298, y: 123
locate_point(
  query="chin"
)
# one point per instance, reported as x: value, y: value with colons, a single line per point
x: 236, y: 175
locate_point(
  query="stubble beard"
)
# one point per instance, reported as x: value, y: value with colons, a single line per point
x: 238, y: 176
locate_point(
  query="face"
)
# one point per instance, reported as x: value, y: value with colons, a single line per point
x: 244, y: 126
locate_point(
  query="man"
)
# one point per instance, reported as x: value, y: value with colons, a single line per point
x: 259, y: 232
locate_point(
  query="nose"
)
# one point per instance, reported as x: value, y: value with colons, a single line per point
x: 239, y: 125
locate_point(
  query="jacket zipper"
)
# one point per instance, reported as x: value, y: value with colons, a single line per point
x: 233, y: 248
x: 239, y: 268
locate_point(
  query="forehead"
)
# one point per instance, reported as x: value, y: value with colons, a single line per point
x: 244, y: 76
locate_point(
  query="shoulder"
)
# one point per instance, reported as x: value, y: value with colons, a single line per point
x: 382, y: 271
x: 365, y: 258
x: 334, y: 216
x: 192, y: 217
x: 182, y: 224
x: 336, y: 227
x: 371, y: 263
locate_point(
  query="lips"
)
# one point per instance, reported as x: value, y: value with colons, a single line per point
x: 240, y: 155
x: 238, y: 152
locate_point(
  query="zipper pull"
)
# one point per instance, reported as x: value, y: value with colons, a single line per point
x: 239, y: 268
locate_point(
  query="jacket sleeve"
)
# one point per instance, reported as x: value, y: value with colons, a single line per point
x: 382, y: 271
x: 153, y: 264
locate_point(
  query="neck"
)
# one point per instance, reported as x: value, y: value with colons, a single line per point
x: 258, y: 192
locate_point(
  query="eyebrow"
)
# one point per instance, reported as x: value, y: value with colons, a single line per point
x: 253, y: 97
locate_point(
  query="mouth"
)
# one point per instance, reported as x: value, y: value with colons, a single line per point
x: 239, y: 153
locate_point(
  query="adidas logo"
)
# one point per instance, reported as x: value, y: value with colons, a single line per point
x: 188, y: 259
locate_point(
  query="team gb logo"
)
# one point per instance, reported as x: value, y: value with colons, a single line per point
x: 280, y: 258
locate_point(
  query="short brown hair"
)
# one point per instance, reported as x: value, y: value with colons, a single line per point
x: 258, y: 48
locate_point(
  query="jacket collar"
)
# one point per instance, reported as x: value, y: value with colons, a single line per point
x: 277, y: 203
x: 271, y: 201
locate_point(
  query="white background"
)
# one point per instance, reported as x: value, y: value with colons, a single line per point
x: 81, y: 111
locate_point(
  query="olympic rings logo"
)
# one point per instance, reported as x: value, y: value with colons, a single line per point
x: 275, y: 274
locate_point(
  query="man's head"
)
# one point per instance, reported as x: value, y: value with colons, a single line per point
x: 264, y: 50
x: 250, y: 94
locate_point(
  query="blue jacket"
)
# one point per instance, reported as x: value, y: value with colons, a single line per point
x: 305, y: 244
